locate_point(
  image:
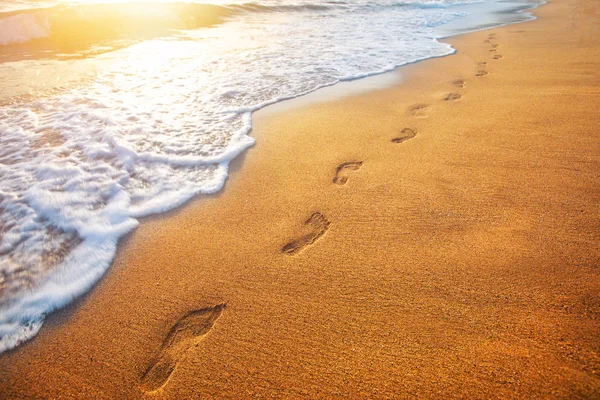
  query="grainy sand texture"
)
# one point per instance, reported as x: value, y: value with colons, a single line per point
x: 436, y: 239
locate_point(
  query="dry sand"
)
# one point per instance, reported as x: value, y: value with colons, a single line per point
x: 456, y: 256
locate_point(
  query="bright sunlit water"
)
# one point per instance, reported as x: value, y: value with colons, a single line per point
x: 113, y: 112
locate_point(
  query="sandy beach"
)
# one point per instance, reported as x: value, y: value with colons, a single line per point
x: 438, y: 238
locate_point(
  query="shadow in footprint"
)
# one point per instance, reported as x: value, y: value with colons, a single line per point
x: 418, y: 110
x: 318, y: 225
x: 453, y: 97
x: 459, y: 83
x: 481, y: 73
x: 497, y: 57
x: 406, y: 134
x: 341, y: 174
x: 186, y: 332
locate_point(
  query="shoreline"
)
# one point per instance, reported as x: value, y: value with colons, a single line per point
x: 347, y: 86
x: 428, y: 270
x: 380, y: 80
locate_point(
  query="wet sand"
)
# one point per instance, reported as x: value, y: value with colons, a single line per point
x: 435, y: 239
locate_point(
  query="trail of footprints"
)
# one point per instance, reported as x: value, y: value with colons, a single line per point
x: 189, y: 330
x: 317, y: 224
x: 482, y: 66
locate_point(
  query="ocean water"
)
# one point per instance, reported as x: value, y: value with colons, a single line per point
x: 111, y: 112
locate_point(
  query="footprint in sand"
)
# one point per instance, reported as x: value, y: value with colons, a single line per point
x: 453, y: 96
x: 341, y: 174
x: 187, y: 332
x: 318, y: 225
x: 418, y: 110
x: 459, y: 83
x: 492, y: 36
x: 495, y: 45
x: 497, y: 57
x: 481, y: 71
x: 405, y: 134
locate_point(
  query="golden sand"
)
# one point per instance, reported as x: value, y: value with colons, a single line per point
x: 437, y: 239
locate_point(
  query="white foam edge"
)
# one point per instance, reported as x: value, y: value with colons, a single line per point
x: 528, y: 17
x: 418, y: 4
x: 450, y: 50
x: 172, y: 200
x: 347, y: 78
x: 22, y: 319
x: 169, y: 201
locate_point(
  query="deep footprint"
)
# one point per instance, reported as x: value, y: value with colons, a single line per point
x: 497, y: 57
x: 481, y: 73
x: 318, y: 225
x: 406, y: 134
x: 418, y: 110
x: 186, y: 332
x: 459, y: 83
x: 453, y: 97
x: 341, y: 174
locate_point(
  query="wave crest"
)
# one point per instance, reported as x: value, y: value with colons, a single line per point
x: 21, y: 28
x: 93, y: 22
